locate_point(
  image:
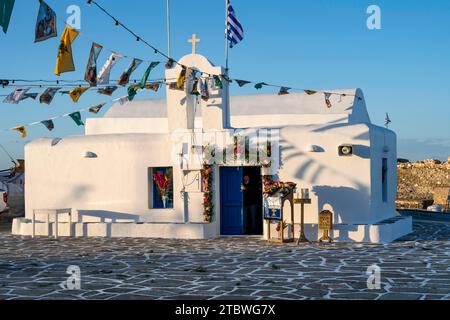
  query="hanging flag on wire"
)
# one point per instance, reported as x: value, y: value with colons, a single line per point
x: 107, y: 90
x: 6, y: 8
x: 48, y: 95
x: 103, y: 76
x: 48, y: 124
x: 45, y: 24
x: 76, y: 116
x: 203, y: 89
x: 132, y: 91
x: 259, y: 85
x: 96, y: 109
x: 327, y: 99
x: 76, y: 93
x: 284, y: 91
x: 125, y: 77
x: 147, y: 74
x: 21, y: 130
x: 64, y: 61
x: 91, y: 68
x: 242, y: 83
x: 234, y: 27
x: 195, y: 91
x: 169, y: 63
x: 152, y: 86
x: 29, y: 95
x: 17, y: 95
x: 217, y: 82
x: 181, y: 78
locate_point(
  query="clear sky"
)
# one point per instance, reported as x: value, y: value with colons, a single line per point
x: 403, y: 68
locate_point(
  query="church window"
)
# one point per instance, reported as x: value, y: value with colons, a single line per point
x: 161, y: 182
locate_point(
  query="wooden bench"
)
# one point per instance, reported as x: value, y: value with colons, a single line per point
x: 55, y: 213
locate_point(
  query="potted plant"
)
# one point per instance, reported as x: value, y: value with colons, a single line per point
x: 283, y: 225
x: 163, y: 183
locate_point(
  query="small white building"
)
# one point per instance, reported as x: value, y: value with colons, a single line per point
x: 106, y: 176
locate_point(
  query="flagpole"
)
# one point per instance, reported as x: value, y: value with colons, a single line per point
x: 168, y: 29
x: 226, y: 36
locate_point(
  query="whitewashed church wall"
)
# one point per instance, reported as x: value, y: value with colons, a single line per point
x: 96, y: 126
x: 337, y: 183
x: 113, y: 186
x: 383, y: 145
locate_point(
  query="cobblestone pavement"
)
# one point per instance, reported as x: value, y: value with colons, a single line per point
x: 415, y: 267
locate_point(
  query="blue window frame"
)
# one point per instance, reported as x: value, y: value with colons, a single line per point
x: 157, y: 199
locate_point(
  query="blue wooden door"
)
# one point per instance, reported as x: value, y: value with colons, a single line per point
x: 231, y: 213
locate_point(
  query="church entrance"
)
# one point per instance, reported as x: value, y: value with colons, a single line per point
x: 241, y: 201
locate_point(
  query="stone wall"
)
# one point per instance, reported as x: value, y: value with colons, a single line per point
x: 422, y: 183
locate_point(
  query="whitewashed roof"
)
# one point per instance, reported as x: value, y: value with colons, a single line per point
x: 351, y: 105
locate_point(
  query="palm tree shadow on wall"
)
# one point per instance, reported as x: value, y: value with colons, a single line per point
x: 339, y: 199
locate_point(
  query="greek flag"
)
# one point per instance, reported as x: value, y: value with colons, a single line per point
x: 234, y: 27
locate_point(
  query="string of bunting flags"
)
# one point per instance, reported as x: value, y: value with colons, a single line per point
x: 100, y: 79
x: 75, y: 116
x: 283, y: 90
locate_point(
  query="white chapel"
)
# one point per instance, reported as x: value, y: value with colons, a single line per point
x: 107, y: 183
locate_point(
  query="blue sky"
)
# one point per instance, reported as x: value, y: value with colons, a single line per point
x: 403, y: 68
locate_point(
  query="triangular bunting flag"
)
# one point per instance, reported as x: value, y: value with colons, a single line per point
x: 6, y: 8
x: 203, y: 89
x: 132, y: 91
x: 327, y: 99
x: 147, y: 74
x: 125, y: 77
x: 104, y: 74
x: 48, y: 124
x: 48, y: 95
x: 91, y: 68
x: 195, y: 90
x: 17, y: 95
x: 76, y: 117
x: 45, y: 24
x: 30, y: 95
x: 152, y: 86
x: 217, y: 82
x: 107, y: 90
x: 21, y: 130
x: 96, y: 109
x: 283, y: 91
x: 181, y: 78
x: 169, y: 63
x: 260, y: 85
x: 76, y: 93
x: 64, y: 61
x: 242, y: 83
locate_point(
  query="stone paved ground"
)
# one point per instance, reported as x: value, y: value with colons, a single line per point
x: 416, y: 267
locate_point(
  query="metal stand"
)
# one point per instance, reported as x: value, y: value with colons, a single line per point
x: 302, y: 238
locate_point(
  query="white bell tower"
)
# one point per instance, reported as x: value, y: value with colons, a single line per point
x: 182, y: 106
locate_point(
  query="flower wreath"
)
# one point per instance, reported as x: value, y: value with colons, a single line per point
x: 208, y: 206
